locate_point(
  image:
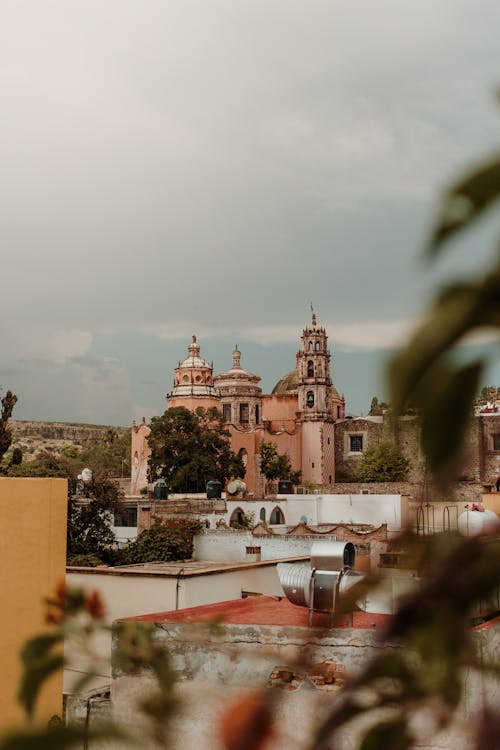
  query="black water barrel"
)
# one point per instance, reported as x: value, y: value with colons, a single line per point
x: 214, y: 489
x: 160, y: 491
x: 285, y: 487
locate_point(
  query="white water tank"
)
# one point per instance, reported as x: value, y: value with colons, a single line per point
x: 87, y: 475
x: 477, y: 523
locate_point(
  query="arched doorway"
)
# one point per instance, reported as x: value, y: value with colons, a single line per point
x: 277, y: 516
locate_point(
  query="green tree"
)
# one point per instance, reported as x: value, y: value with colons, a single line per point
x: 189, y: 448
x: 8, y: 402
x: 377, y: 408
x: 274, y: 465
x: 383, y: 463
x: 90, y: 519
x: 171, y: 540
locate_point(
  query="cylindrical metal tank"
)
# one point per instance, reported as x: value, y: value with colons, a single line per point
x: 332, y: 555
x: 160, y: 491
x: 214, y: 489
x: 475, y: 523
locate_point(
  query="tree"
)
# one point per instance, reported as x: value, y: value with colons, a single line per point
x: 273, y: 465
x: 8, y: 403
x: 377, y: 408
x: 189, y: 448
x: 171, y: 540
x: 383, y: 463
x: 89, y: 529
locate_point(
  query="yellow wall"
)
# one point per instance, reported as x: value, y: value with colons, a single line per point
x: 32, y: 557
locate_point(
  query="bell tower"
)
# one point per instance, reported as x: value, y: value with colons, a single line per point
x: 313, y: 365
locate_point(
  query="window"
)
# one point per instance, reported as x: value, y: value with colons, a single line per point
x: 185, y: 378
x: 126, y: 516
x: 244, y: 456
x: 244, y: 413
x: 277, y: 516
x: 310, y: 399
x: 317, y: 346
x: 257, y: 414
x: 310, y: 369
x: 496, y: 441
x: 226, y: 412
x: 262, y: 514
x: 310, y: 346
x: 356, y: 443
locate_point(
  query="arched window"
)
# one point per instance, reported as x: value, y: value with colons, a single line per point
x: 310, y: 399
x: 257, y: 414
x: 310, y: 369
x: 262, y: 514
x: 237, y: 519
x: 277, y: 516
x: 244, y: 456
x: 317, y: 346
x: 310, y: 346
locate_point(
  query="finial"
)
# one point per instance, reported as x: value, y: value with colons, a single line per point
x: 313, y: 315
x: 194, y: 339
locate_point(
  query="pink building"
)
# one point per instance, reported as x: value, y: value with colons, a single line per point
x: 298, y: 416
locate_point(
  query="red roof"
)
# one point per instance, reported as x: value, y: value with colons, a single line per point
x: 264, y: 610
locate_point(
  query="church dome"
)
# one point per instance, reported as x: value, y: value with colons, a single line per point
x: 288, y: 384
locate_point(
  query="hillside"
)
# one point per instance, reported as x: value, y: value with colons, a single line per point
x: 36, y: 437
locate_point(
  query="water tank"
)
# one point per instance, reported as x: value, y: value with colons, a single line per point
x: 160, y: 491
x: 87, y: 475
x: 235, y: 486
x: 477, y: 523
x: 214, y: 488
x: 285, y: 487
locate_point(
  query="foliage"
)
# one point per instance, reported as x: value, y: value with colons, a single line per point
x: 8, y: 402
x: 383, y: 463
x: 17, y: 457
x: 189, y: 448
x: 89, y: 520
x: 171, y: 540
x: 46, y: 464
x: 84, y: 561
x: 377, y: 408
x: 243, y: 521
x: 273, y: 465
x: 427, y: 370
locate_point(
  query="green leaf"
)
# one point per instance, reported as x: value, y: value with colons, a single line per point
x: 38, y: 647
x: 58, y: 738
x: 34, y: 676
x: 465, y: 202
x: 388, y: 735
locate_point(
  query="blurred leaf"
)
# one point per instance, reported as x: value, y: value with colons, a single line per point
x: 58, y: 738
x: 39, y: 663
x: 34, y: 677
x: 388, y: 735
x: 465, y: 202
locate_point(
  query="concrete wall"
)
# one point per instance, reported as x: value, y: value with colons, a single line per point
x: 215, y: 672
x: 130, y: 594
x: 226, y: 546
x: 33, y: 558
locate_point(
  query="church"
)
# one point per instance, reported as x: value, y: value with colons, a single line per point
x: 298, y: 416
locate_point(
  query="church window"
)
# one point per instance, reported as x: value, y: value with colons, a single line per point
x: 310, y: 399
x: 244, y: 413
x: 244, y: 456
x: 310, y: 346
x: 496, y: 441
x: 226, y: 412
x: 317, y: 346
x: 356, y: 443
x: 328, y: 441
x: 198, y: 378
x: 338, y: 412
x: 257, y: 414
x: 185, y: 378
x: 310, y: 369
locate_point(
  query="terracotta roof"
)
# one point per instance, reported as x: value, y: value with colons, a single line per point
x: 264, y: 610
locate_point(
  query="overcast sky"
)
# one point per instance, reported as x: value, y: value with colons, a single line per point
x: 212, y: 167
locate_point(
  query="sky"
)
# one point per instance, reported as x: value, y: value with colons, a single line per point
x: 180, y: 167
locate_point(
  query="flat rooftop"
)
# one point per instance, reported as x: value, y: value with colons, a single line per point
x: 186, y: 569
x: 265, y: 610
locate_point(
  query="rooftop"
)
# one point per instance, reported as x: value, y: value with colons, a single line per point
x: 265, y: 610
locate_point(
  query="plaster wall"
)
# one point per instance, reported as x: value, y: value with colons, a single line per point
x: 226, y: 546
x: 33, y: 557
x: 216, y: 671
x: 131, y: 595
